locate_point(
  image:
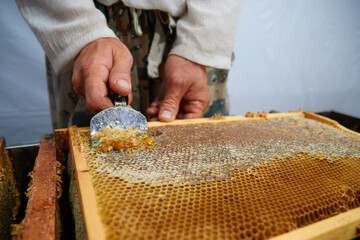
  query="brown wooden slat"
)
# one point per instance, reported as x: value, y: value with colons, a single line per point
x: 40, y: 220
x: 2, y: 149
x: 330, y: 122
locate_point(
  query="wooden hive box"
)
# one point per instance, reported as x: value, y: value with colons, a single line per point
x: 282, y: 176
x: 40, y: 219
x: 47, y: 209
x: 9, y: 195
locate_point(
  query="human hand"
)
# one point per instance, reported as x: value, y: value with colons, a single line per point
x: 103, y: 62
x: 186, y: 93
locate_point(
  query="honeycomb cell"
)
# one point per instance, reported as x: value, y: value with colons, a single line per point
x: 249, y: 179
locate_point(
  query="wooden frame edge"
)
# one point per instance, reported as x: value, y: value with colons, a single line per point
x: 2, y: 150
x: 308, y: 115
x: 6, y: 164
x: 62, y: 144
x: 218, y: 119
x: 341, y: 226
x: 62, y: 138
x: 91, y: 219
x: 40, y: 219
x: 2, y: 145
x: 222, y: 119
x: 330, y: 122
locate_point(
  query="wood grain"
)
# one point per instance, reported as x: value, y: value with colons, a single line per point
x: 91, y: 219
x: 342, y: 226
x: 330, y: 122
x: 222, y: 119
x: 40, y: 220
x: 2, y: 149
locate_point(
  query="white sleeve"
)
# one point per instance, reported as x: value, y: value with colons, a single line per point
x: 64, y: 27
x: 206, y: 32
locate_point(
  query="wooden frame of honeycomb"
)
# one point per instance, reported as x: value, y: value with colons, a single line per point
x: 96, y: 224
x: 188, y: 208
x: 40, y: 220
x: 9, y: 195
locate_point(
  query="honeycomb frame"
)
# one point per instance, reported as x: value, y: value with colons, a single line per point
x: 40, y: 221
x: 94, y: 224
x: 9, y: 195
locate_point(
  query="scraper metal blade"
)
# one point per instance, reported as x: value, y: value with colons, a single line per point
x: 120, y: 116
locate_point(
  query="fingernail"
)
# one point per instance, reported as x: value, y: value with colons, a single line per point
x: 123, y: 84
x: 166, y: 115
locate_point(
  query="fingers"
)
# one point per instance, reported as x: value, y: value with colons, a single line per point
x: 196, y: 108
x: 78, y: 83
x: 178, y: 82
x: 189, y: 110
x: 119, y: 79
x: 180, y: 115
x: 186, y: 83
x: 90, y: 83
x: 154, y: 119
x: 96, y: 89
x: 102, y: 63
x: 170, y: 105
x: 154, y: 109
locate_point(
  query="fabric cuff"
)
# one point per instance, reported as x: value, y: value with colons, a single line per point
x: 203, y: 58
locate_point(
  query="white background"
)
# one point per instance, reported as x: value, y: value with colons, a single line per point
x: 289, y: 54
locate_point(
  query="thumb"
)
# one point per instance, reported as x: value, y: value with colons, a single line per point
x: 170, y: 105
x: 119, y: 77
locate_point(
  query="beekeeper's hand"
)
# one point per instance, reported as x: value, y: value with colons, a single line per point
x: 186, y: 93
x: 103, y: 61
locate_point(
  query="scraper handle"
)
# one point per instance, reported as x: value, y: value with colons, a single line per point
x: 117, y: 99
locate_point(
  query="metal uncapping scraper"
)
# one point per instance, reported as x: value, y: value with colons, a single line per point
x: 120, y: 115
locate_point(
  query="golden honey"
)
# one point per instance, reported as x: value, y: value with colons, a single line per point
x: 131, y: 139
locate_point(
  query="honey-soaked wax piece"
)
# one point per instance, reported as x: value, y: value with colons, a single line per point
x: 118, y: 139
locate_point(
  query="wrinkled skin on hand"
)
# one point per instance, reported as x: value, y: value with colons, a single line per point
x: 107, y: 62
x: 102, y: 62
x: 186, y: 93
